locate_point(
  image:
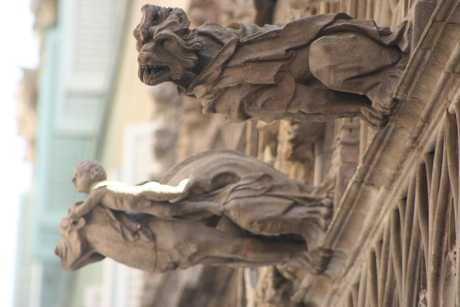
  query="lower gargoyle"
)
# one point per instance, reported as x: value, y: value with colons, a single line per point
x: 215, y: 208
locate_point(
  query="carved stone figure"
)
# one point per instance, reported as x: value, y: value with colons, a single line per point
x: 158, y: 245
x: 315, y: 68
x: 217, y: 207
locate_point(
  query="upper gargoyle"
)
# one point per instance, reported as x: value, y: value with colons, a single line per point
x: 315, y: 68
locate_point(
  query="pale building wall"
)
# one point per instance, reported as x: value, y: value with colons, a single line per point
x: 126, y: 150
x: 132, y: 101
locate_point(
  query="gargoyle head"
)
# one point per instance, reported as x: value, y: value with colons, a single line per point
x: 167, y: 47
x: 74, y: 249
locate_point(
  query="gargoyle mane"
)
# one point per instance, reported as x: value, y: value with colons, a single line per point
x: 157, y: 20
x: 164, y: 38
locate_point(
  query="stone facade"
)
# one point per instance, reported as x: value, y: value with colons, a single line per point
x: 395, y: 190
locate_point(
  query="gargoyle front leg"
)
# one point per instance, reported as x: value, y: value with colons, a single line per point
x: 316, y: 103
x: 80, y: 209
x: 317, y: 260
x: 362, y: 66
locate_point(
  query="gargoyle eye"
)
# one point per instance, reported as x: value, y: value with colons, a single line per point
x: 155, y: 16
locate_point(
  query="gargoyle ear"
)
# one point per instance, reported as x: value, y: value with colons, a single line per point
x: 182, y: 18
x: 93, y: 174
x: 176, y: 21
x: 79, y: 224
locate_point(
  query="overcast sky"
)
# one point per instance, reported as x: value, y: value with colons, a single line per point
x: 18, y: 49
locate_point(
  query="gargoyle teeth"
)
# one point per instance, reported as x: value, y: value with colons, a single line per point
x: 149, y: 73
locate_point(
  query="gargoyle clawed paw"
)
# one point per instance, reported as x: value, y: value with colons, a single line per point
x: 318, y: 259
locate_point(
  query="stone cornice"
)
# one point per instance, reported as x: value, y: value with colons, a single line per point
x: 429, y: 85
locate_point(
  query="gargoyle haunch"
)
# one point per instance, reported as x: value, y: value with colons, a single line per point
x: 315, y: 68
x: 215, y: 208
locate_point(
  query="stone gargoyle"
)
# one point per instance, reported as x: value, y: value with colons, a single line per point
x: 315, y: 68
x: 215, y: 208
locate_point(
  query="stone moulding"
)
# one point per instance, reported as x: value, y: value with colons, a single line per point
x: 430, y: 85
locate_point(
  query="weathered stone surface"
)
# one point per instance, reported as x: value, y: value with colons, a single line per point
x: 277, y: 72
x: 391, y: 227
x: 214, y: 208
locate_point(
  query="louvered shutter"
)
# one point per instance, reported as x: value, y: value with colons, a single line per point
x: 86, y: 56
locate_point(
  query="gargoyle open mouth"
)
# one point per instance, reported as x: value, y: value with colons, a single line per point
x: 60, y: 250
x: 154, y: 74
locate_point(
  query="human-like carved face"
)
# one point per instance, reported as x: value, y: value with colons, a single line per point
x: 83, y: 179
x: 74, y: 250
x: 152, y: 70
x: 167, y: 48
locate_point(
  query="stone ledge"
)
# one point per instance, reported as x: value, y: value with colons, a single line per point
x: 428, y: 86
